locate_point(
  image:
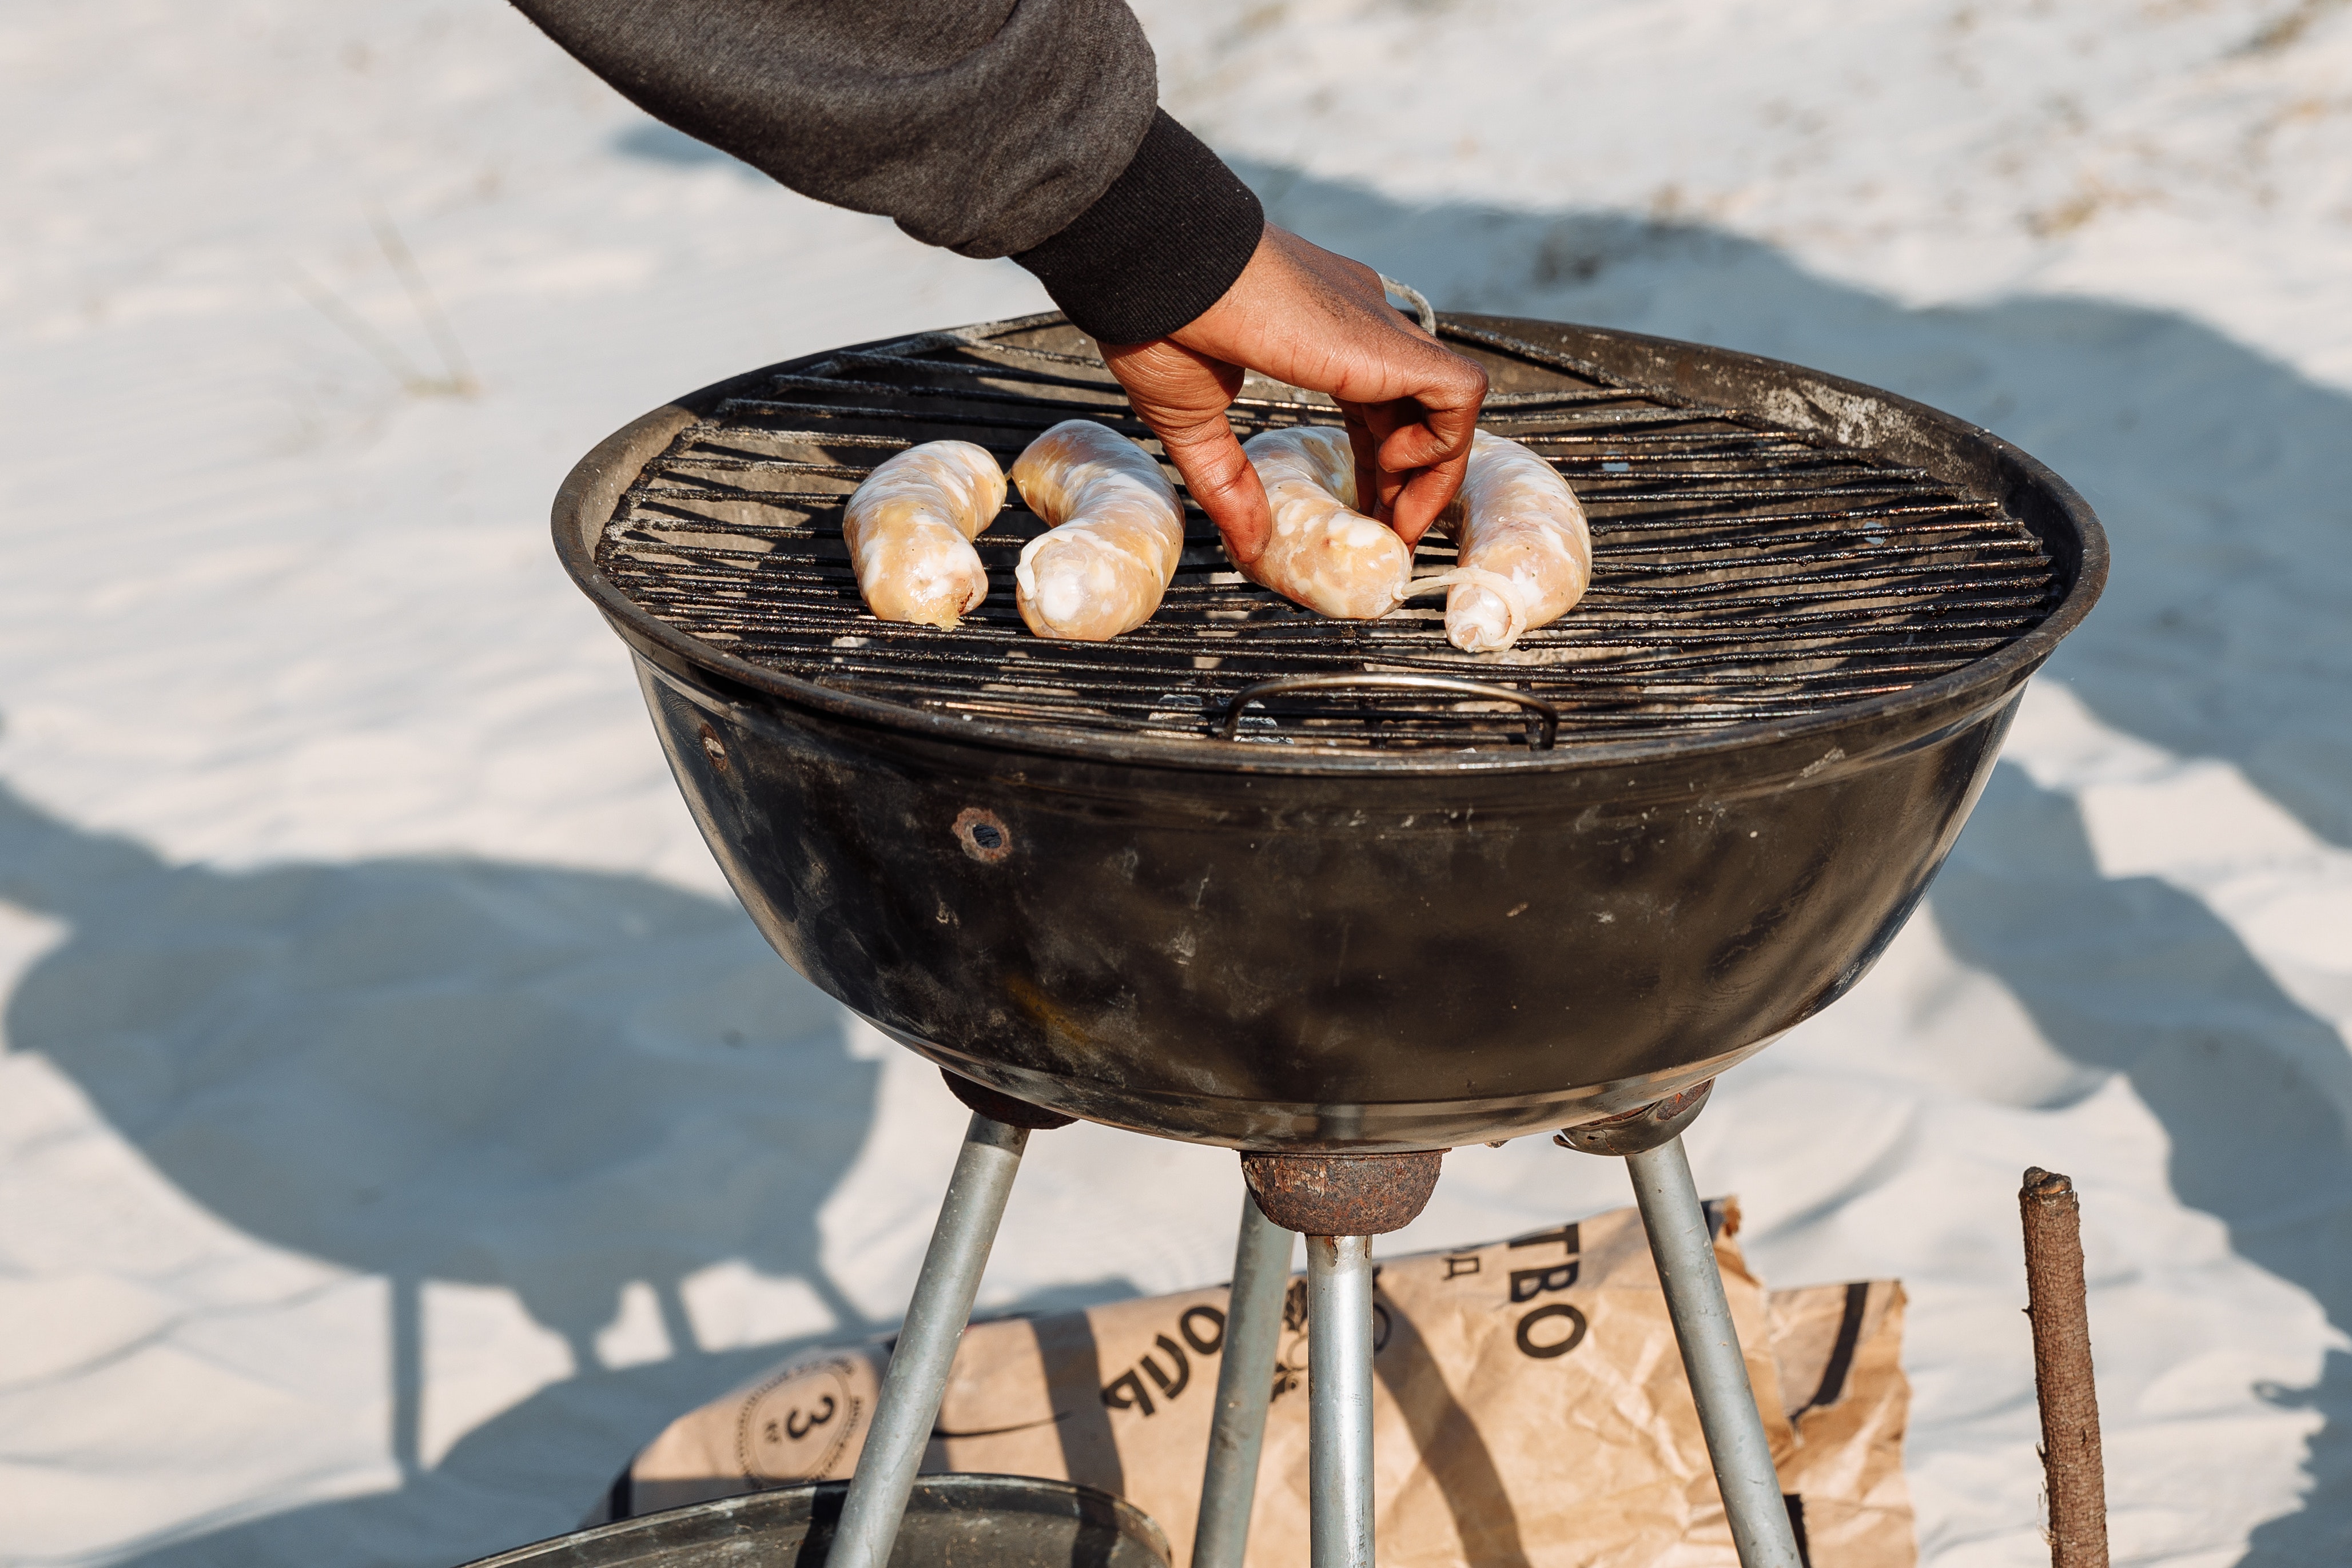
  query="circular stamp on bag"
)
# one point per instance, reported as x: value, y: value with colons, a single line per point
x: 797, y: 1424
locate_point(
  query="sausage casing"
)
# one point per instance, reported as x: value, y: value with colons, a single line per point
x: 1525, y: 549
x: 1324, y: 553
x: 909, y: 528
x: 1115, y: 531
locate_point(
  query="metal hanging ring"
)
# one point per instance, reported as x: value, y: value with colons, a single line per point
x: 1422, y: 311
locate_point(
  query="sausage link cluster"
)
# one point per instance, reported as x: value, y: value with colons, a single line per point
x: 1115, y: 532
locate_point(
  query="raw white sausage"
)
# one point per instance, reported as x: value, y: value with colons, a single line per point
x: 1115, y: 531
x: 909, y: 528
x: 1524, y: 551
x: 1323, y: 553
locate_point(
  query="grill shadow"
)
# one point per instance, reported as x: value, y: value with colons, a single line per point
x: 2130, y: 975
x: 2220, y: 476
x: 455, y: 1070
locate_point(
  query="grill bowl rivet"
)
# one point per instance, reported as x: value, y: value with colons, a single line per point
x: 713, y: 748
x: 983, y: 835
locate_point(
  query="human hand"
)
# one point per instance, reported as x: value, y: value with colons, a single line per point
x: 1300, y: 314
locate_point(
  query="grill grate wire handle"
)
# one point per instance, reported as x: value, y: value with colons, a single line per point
x: 1543, y: 719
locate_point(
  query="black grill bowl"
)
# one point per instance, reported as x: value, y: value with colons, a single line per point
x: 952, y: 1521
x: 1307, y: 947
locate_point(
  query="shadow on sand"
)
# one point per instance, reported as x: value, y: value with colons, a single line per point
x: 423, y: 1069
x: 2225, y: 482
x: 2224, y: 478
x: 654, y: 143
x: 2131, y: 975
x: 553, y: 1081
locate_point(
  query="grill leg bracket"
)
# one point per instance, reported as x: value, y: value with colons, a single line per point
x: 1339, y: 1202
x: 1685, y: 1249
x: 908, y: 1406
x: 1245, y: 1387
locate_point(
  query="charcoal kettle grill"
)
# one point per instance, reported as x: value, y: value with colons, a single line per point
x: 1332, y: 893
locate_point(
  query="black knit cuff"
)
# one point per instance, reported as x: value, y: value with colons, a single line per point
x: 1158, y: 247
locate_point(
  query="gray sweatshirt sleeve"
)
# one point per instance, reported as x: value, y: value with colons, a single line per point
x: 1022, y: 128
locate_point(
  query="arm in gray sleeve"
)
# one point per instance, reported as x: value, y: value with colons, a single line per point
x: 1022, y: 128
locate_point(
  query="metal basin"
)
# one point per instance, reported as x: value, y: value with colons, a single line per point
x: 1277, y: 947
x: 952, y: 1521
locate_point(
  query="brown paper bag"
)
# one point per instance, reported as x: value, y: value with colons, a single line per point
x: 1839, y: 1350
x: 1529, y: 1407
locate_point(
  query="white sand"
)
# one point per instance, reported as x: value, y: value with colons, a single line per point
x: 399, y: 1123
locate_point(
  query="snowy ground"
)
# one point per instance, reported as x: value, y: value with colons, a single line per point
x: 400, y: 1121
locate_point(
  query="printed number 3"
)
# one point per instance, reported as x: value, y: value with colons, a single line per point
x: 798, y: 1428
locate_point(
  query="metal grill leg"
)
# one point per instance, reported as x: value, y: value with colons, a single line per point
x: 1339, y: 1400
x: 1684, y: 1250
x: 908, y: 1406
x: 1244, y: 1384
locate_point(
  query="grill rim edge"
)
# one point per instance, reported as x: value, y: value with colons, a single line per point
x: 584, y: 503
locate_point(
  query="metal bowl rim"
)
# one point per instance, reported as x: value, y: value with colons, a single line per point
x: 545, y: 1554
x: 1986, y: 678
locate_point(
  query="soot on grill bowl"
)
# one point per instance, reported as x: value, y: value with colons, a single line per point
x: 1403, y: 917
x: 1745, y: 568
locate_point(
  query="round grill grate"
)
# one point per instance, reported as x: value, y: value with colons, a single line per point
x: 1743, y: 571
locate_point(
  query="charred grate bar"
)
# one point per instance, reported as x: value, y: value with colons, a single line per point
x: 1743, y: 571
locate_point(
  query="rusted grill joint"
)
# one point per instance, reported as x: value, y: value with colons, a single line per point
x: 999, y: 1107
x: 1342, y: 1195
x: 1639, y: 1131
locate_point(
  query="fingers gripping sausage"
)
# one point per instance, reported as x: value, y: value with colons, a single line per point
x: 1324, y: 553
x: 909, y: 528
x: 1115, y: 531
x: 1524, y: 551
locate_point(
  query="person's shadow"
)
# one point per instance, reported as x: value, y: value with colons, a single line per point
x: 473, y: 1024
x: 2133, y: 976
x: 2224, y: 479
x: 558, y: 1082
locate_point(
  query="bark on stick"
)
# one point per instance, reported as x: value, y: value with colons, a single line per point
x: 2070, y: 1462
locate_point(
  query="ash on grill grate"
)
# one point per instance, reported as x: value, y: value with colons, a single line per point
x: 1742, y: 571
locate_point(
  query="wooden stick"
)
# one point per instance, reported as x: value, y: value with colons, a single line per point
x: 2071, y: 1461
